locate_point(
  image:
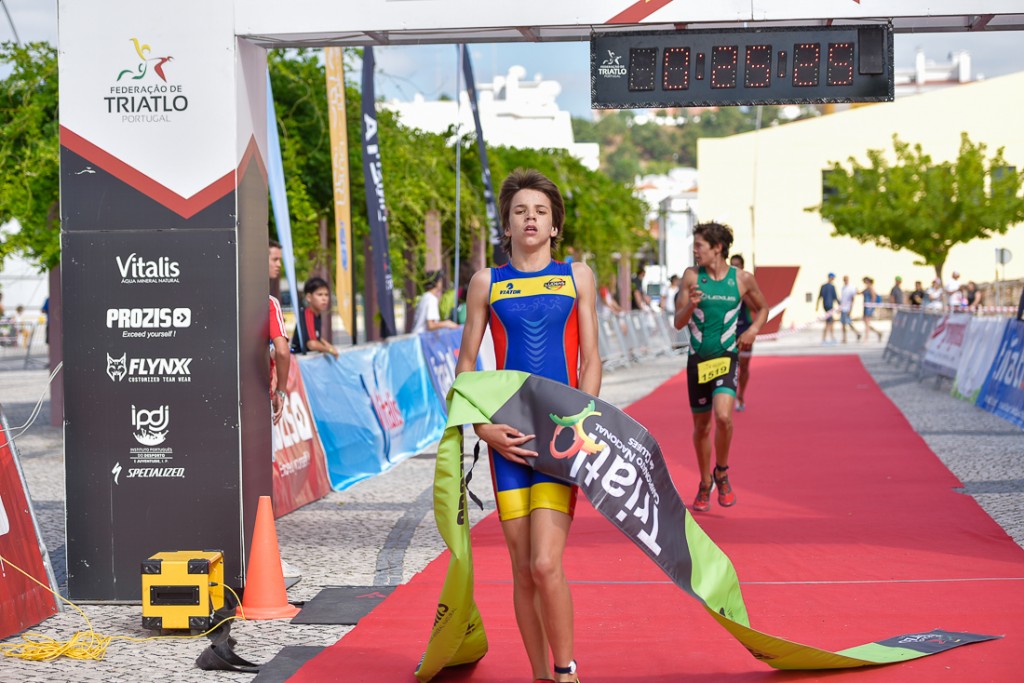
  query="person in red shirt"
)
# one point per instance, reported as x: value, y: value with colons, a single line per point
x: 280, y: 357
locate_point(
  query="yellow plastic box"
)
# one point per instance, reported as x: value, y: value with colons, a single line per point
x: 182, y: 589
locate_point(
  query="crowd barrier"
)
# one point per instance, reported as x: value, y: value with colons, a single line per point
x: 983, y: 356
x: 626, y: 338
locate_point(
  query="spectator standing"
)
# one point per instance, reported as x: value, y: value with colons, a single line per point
x: 934, y: 296
x: 669, y: 302
x: 896, y: 293
x: 871, y: 301
x: 640, y: 299
x: 317, y: 297
x: 428, y: 308
x: 846, y: 297
x: 952, y: 287
x: 972, y: 295
x: 827, y: 299
x: 280, y: 356
x: 917, y: 296
x: 606, y: 297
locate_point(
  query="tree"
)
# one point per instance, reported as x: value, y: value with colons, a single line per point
x: 30, y: 150
x: 924, y: 207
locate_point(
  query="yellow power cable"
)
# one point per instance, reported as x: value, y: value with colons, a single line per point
x: 83, y: 644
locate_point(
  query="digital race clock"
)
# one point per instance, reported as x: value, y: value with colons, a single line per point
x: 700, y: 68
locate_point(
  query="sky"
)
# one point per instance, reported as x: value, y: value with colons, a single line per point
x: 431, y: 70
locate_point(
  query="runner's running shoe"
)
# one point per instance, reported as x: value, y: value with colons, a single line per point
x: 726, y: 497
x: 702, y: 503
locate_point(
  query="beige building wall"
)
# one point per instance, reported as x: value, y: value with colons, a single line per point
x: 760, y: 183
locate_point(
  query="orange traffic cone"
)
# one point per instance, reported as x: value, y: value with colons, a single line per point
x: 265, y: 596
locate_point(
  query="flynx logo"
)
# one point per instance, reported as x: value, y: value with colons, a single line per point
x: 580, y: 440
x: 140, y: 99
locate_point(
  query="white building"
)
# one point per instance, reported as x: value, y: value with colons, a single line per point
x: 927, y: 75
x: 513, y: 112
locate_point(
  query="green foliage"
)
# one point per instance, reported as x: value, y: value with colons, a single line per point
x: 629, y: 149
x: 30, y: 150
x: 924, y: 207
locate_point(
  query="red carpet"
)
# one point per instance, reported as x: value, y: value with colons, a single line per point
x: 847, y: 531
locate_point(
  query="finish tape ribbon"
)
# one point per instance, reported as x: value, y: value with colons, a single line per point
x: 620, y: 468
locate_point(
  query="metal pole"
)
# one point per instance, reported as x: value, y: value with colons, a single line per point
x: 459, y: 52
x: 753, y: 197
x: 11, y: 22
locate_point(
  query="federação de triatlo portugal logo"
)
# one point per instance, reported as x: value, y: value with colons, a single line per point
x: 138, y: 98
x: 580, y: 440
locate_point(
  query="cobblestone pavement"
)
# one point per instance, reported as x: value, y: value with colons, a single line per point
x: 382, y: 532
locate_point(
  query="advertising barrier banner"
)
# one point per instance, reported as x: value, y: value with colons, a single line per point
x: 1003, y: 391
x: 620, y: 468
x: 373, y: 406
x: 300, y: 466
x: 983, y: 338
x: 23, y: 602
x: 945, y: 345
x: 441, y: 352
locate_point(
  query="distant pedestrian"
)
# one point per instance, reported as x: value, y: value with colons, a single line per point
x: 917, y: 296
x: 846, y: 297
x: 896, y: 293
x: 827, y: 299
x: 934, y: 296
x: 871, y: 301
x: 641, y: 301
x: 428, y: 310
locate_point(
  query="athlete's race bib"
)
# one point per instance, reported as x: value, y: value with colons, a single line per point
x: 710, y: 369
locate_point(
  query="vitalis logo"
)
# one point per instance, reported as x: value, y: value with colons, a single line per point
x: 151, y: 425
x: 136, y: 270
x: 147, y: 100
x: 580, y: 440
x: 149, y: 369
x: 612, y: 67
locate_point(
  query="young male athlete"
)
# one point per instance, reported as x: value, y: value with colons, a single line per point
x: 709, y: 302
x: 543, y: 320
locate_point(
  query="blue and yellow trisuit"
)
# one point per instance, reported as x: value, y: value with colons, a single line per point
x: 535, y: 329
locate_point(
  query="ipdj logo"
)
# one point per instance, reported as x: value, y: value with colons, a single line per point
x: 612, y: 66
x: 143, y: 50
x: 580, y: 440
x: 149, y: 369
x: 151, y: 426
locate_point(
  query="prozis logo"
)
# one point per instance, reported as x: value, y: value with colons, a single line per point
x: 151, y: 426
x: 149, y: 323
x: 142, y: 93
x: 612, y: 66
x: 136, y: 270
x: 580, y: 440
x: 149, y: 369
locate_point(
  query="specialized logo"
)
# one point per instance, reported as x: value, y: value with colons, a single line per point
x: 554, y: 284
x: 138, y: 98
x: 147, y: 322
x: 151, y: 426
x: 136, y: 270
x: 116, y: 472
x: 149, y: 369
x: 580, y: 440
x: 612, y: 66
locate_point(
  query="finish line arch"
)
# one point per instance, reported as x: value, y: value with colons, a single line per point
x: 164, y: 232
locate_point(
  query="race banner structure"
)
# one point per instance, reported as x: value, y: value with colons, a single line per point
x: 620, y: 468
x: 23, y: 602
x: 300, y: 465
x: 498, y: 255
x: 1003, y: 390
x: 334, y: 65
x: 376, y: 209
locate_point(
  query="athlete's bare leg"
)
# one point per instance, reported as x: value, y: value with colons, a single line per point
x: 741, y: 389
x: 702, y: 444
x: 722, y: 408
x: 541, y: 598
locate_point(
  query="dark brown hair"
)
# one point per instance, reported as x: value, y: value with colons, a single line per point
x: 715, y: 234
x: 529, y: 179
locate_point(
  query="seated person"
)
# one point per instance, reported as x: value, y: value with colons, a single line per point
x: 317, y: 298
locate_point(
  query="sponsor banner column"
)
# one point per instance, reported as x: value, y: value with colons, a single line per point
x: 300, y: 467
x: 162, y: 316
x: 1003, y: 391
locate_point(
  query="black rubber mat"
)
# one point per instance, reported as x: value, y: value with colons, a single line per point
x: 344, y: 605
x: 285, y: 663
